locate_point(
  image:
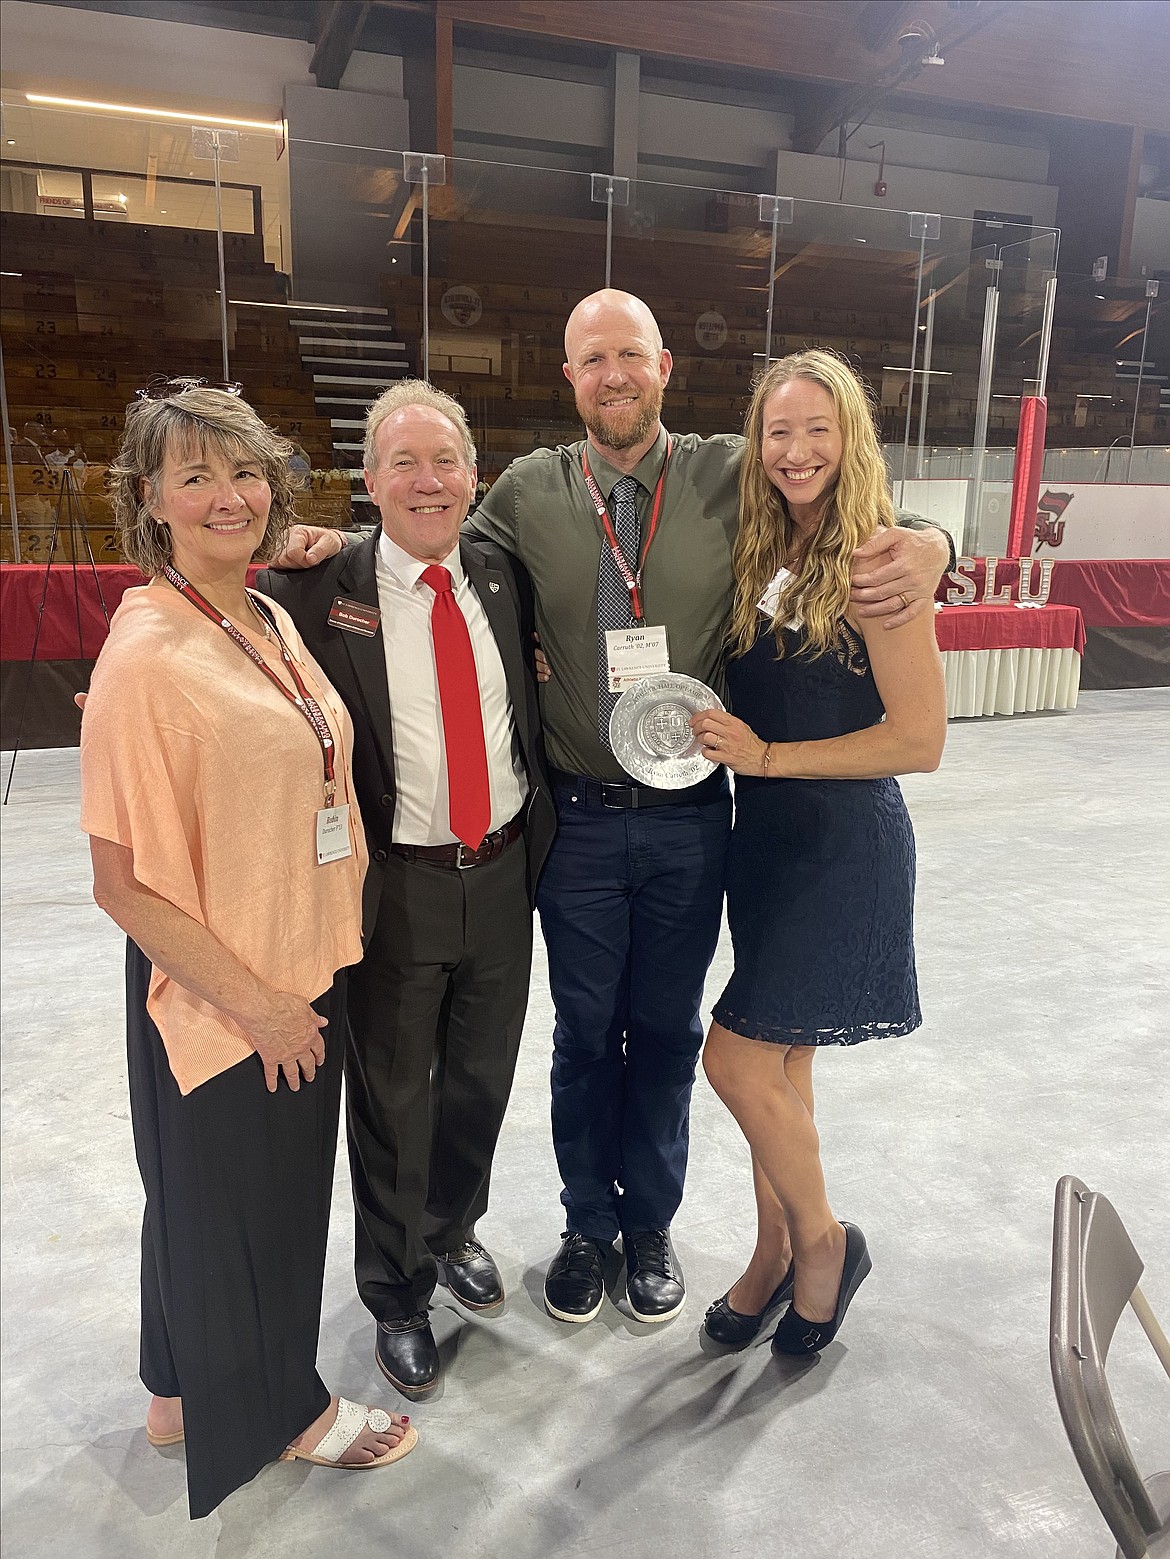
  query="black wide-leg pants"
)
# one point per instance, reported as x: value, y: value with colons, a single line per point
x: 238, y: 1184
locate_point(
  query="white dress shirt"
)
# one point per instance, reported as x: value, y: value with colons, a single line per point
x: 422, y: 809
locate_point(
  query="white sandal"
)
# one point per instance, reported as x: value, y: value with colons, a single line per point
x: 352, y: 1418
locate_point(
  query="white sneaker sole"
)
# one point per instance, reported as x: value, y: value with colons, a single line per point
x: 653, y: 1320
x: 573, y: 1320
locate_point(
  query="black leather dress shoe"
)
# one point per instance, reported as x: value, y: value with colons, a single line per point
x: 472, y: 1276
x: 734, y: 1329
x: 574, y: 1285
x: 797, y: 1336
x: 406, y: 1354
x: 654, y: 1281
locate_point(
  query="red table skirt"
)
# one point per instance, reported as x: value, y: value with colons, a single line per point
x: 1111, y: 593
x: 71, y: 594
x: 1010, y: 628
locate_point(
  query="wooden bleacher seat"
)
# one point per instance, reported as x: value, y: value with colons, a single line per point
x: 96, y: 310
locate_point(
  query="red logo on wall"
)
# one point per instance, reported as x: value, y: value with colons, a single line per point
x: 1049, y: 524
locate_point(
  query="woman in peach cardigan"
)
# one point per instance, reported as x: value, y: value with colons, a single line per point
x: 226, y: 843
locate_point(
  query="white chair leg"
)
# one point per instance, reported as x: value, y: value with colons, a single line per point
x: 1149, y: 1321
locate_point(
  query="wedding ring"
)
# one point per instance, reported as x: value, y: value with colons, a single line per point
x: 905, y: 603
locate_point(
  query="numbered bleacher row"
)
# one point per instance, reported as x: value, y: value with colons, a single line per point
x: 93, y: 311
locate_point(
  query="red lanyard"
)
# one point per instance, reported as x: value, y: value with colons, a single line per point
x: 302, y: 699
x: 633, y: 581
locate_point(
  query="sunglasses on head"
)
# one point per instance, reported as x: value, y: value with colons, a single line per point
x: 161, y: 388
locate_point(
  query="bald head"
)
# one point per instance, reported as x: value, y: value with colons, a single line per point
x: 618, y: 367
x: 608, y: 310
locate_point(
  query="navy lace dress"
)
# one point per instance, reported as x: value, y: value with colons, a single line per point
x: 820, y: 886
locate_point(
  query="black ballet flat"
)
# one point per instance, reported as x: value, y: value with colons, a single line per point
x: 732, y: 1328
x: 797, y: 1336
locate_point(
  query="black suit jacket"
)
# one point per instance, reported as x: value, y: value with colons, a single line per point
x: 356, y: 666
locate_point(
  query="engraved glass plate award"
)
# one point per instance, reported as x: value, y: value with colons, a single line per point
x: 650, y: 731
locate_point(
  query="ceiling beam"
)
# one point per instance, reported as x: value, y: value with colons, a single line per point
x: 339, y: 28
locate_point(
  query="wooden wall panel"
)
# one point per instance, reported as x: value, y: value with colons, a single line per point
x: 1102, y: 60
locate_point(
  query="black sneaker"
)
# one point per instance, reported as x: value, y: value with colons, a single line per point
x: 574, y: 1285
x: 654, y: 1281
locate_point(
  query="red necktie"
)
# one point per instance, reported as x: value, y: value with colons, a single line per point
x: 467, y: 768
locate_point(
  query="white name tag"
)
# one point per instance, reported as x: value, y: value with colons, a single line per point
x: 634, y: 653
x: 333, y: 835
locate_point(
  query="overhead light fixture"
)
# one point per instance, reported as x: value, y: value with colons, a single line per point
x: 11, y: 143
x: 155, y: 113
x: 935, y: 373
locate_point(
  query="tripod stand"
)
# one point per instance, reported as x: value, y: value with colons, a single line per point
x: 70, y: 511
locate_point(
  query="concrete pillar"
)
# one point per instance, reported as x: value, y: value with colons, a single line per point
x: 345, y: 194
x: 627, y: 75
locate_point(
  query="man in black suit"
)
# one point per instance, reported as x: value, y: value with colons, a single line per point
x: 426, y: 638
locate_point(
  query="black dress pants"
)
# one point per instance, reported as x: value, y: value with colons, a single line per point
x: 238, y: 1184
x: 436, y: 1010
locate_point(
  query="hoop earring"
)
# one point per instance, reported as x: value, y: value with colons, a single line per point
x: 162, y: 537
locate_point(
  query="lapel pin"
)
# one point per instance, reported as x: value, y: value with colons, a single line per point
x: 492, y: 586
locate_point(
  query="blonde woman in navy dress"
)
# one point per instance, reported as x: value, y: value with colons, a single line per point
x: 826, y: 707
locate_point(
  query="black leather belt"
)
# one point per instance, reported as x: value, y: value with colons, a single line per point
x: 459, y: 856
x: 616, y: 796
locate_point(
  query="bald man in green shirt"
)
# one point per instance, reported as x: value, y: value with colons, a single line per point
x: 631, y: 895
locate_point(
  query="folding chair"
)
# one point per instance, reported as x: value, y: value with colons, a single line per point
x: 1095, y: 1273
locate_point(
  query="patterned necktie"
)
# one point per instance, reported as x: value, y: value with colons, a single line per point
x: 468, y: 791
x: 613, y: 594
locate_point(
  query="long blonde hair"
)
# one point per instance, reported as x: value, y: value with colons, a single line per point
x: 858, y: 505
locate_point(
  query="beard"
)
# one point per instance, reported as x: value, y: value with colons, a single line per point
x: 633, y: 426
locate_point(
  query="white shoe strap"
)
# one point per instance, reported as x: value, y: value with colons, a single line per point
x: 351, y: 1419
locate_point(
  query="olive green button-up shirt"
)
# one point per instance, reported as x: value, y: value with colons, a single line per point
x: 540, y: 511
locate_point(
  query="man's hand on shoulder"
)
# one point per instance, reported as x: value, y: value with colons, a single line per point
x: 896, y: 573
x: 308, y: 545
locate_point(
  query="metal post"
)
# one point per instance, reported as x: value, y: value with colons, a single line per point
x: 615, y: 191
x: 771, y: 293
x: 923, y: 225
x: 924, y: 402
x: 425, y: 168
x: 913, y: 367
x: 1151, y: 294
x: 426, y: 273
x: 776, y: 209
x: 986, y: 373
x: 1046, y: 333
x: 223, y: 320
x: 8, y: 463
x: 608, y: 234
x: 216, y: 146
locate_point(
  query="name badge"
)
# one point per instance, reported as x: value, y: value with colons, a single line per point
x: 333, y: 835
x: 354, y: 617
x: 634, y: 653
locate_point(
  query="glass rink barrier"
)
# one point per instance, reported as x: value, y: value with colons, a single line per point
x: 315, y: 271
x: 137, y: 248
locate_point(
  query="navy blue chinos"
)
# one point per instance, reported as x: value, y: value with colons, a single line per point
x: 630, y: 903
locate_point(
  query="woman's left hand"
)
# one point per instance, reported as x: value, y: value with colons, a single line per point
x: 728, y: 740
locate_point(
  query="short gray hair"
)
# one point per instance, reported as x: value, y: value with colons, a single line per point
x: 415, y: 392
x: 196, y: 417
